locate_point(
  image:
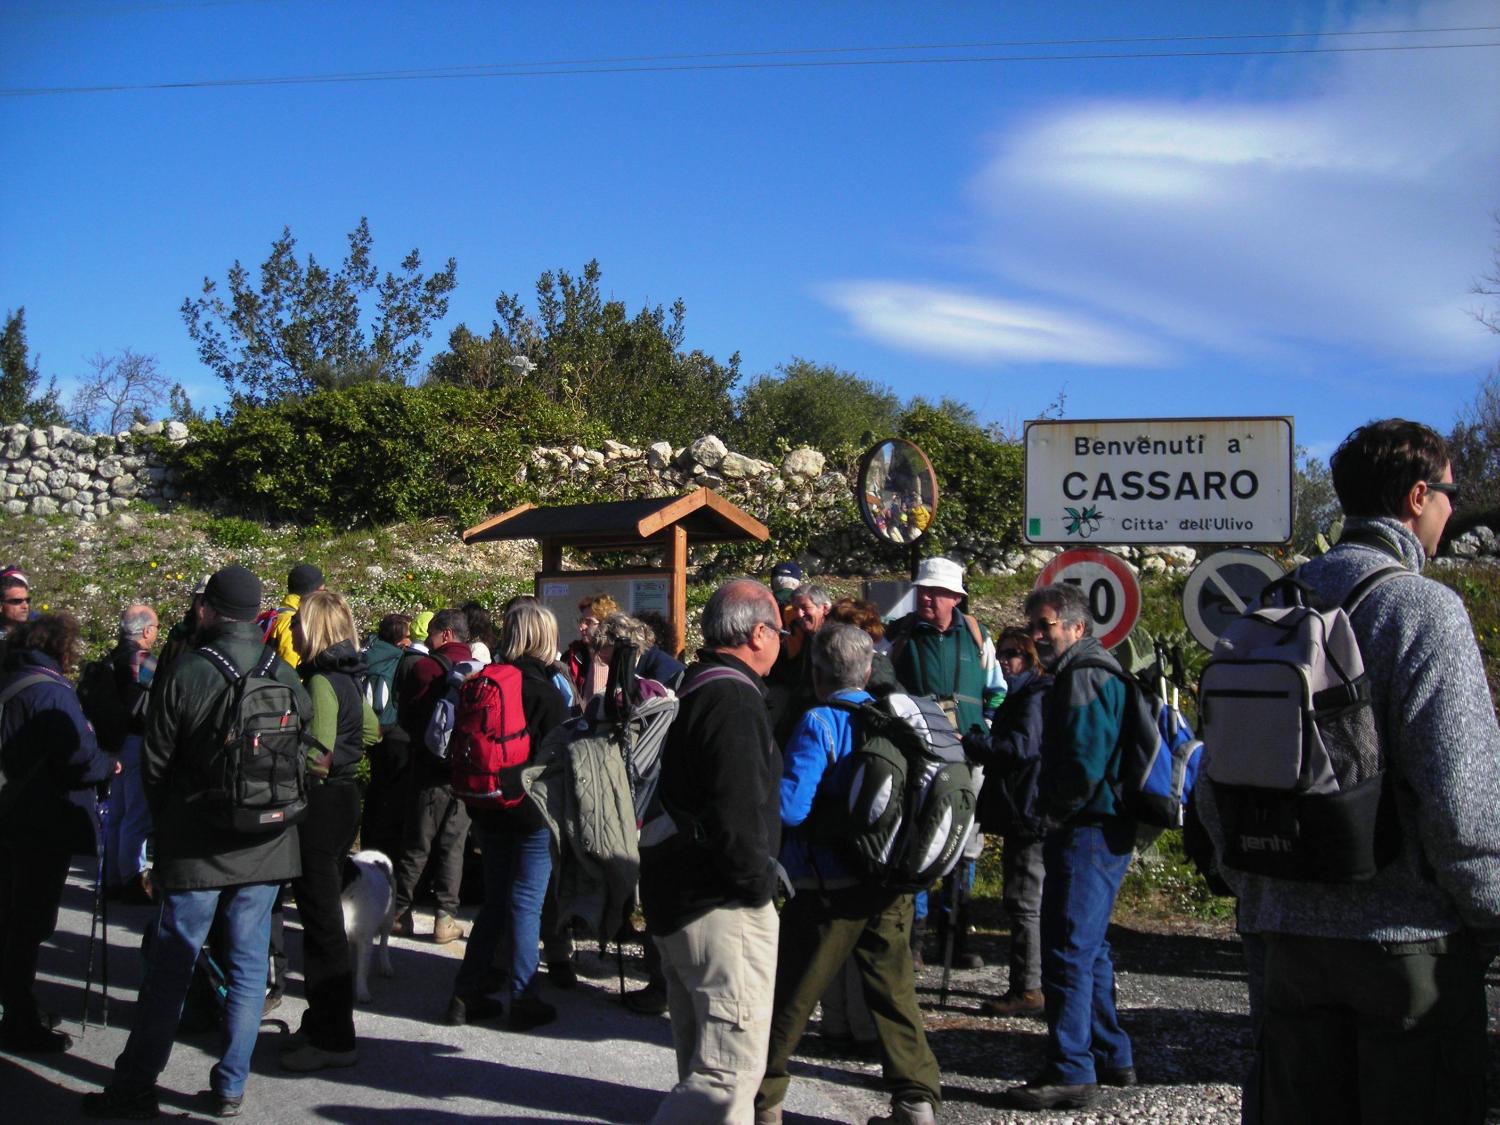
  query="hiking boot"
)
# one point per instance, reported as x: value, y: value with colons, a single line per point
x: 1117, y: 1076
x: 222, y: 1105
x: 771, y: 1115
x: 308, y: 1058
x: 527, y: 1012
x: 446, y: 929
x: 404, y: 925
x: 112, y: 1104
x: 968, y: 960
x: 1047, y: 1093
x: 562, y: 974
x: 1015, y: 1004
x: 469, y: 1009
x: 272, y: 1002
x: 648, y: 1001
x: 907, y: 1113
x: 31, y: 1037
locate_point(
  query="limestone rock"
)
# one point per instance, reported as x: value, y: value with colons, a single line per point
x: 803, y: 464
x: 43, y: 506
x: 708, y: 451
x: 177, y: 432
x: 659, y: 455
x: 15, y: 507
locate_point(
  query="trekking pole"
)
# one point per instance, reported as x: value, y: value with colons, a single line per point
x: 953, y: 880
x: 88, y: 971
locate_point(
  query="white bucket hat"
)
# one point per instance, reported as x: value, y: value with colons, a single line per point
x: 941, y: 573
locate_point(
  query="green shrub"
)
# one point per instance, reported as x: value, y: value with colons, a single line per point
x: 233, y: 532
x: 376, y: 452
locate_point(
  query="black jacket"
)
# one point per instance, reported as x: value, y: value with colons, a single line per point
x: 182, y: 726
x: 47, y: 750
x: 1008, y: 801
x: 722, y: 768
x: 543, y: 706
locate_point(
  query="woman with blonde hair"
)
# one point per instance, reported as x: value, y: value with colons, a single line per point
x: 584, y: 666
x: 516, y: 847
x: 342, y: 725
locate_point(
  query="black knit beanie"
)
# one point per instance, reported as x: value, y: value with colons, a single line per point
x: 234, y: 592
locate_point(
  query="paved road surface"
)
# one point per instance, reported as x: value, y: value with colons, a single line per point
x: 597, y: 1063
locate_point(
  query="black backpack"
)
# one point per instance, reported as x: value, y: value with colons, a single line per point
x: 255, y: 780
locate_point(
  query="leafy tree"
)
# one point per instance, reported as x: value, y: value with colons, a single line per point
x: 1315, y: 505
x: 303, y: 329
x: 120, y: 389
x: 19, y: 378
x: 628, y: 373
x: 814, y: 404
x: 180, y: 407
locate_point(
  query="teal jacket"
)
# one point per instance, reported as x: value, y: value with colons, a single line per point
x: 1080, y: 737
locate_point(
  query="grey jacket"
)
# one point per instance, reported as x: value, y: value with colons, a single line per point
x: 1432, y: 703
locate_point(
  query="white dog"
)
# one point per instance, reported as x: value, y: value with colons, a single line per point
x: 369, y: 904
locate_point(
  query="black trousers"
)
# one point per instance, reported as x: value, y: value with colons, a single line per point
x: 31, y: 886
x: 327, y: 967
x: 388, y: 795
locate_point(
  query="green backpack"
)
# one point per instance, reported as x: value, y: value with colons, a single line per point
x: 901, y: 806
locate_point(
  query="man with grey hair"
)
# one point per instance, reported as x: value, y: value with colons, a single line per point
x: 114, y: 693
x: 791, y: 678
x: 834, y: 912
x: 1085, y: 852
x: 708, y: 862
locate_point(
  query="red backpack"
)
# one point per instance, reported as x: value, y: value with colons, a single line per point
x: 489, y: 745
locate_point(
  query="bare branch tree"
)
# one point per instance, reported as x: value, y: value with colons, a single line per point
x: 1488, y: 285
x: 121, y: 389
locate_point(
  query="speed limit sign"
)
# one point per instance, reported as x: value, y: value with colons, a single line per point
x: 1109, y: 583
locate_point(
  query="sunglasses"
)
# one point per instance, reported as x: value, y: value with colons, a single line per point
x: 1447, y: 488
x: 17, y: 601
x: 1010, y: 653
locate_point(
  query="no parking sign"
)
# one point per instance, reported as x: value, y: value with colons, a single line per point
x: 1109, y: 583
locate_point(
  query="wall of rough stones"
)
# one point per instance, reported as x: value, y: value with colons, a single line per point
x: 54, y: 470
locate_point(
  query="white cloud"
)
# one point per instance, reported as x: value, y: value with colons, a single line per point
x: 1334, y: 203
x: 964, y: 326
x: 1346, y: 205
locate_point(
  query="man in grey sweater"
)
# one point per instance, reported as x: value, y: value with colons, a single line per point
x: 1374, y: 1006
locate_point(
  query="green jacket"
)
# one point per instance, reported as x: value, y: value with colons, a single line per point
x: 949, y: 665
x: 182, y: 726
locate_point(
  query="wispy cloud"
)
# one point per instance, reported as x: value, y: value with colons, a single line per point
x: 1333, y: 202
x: 964, y: 326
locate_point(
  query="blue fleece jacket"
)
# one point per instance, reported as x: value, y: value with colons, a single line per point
x: 823, y: 737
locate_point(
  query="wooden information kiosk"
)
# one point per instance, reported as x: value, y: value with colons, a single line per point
x: 671, y: 524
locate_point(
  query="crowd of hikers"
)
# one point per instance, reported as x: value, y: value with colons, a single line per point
x: 792, y: 815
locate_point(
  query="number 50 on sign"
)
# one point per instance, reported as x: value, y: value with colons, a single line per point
x: 1109, y: 583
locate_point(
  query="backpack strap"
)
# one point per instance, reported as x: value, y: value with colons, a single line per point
x: 221, y: 662
x: 717, y: 672
x: 1366, y: 586
x: 23, y: 683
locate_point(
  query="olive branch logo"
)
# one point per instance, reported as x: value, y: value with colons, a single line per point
x: 1082, y: 523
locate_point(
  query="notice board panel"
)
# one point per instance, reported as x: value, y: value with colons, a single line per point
x: 636, y: 592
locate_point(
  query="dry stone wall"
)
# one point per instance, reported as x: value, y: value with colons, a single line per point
x: 54, y: 470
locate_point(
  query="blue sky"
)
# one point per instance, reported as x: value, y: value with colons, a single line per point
x: 1215, y: 235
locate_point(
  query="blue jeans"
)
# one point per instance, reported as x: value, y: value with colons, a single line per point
x: 181, y: 927
x: 127, y: 820
x: 517, y: 865
x: 1084, y: 864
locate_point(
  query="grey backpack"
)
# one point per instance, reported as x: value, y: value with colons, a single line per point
x: 1292, y: 746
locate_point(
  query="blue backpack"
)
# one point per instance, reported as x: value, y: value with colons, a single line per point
x: 1158, y: 757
